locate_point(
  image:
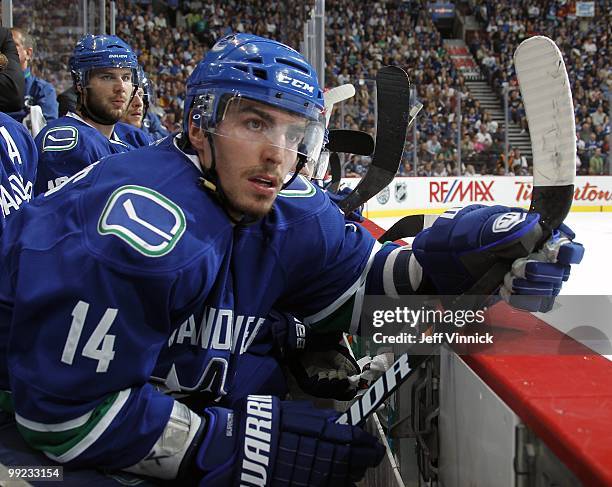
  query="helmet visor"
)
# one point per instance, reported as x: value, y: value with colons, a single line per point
x: 258, y: 122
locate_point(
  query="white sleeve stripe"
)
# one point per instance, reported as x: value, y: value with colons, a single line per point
x: 96, y: 432
x: 415, y: 272
x: 327, y: 311
x: 356, y: 314
x: 387, y: 278
x: 53, y: 427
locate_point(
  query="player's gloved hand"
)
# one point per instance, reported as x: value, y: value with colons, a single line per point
x: 535, y: 280
x: 288, y: 333
x: 355, y: 215
x: 323, y: 369
x: 463, y: 244
x: 320, y: 365
x: 268, y: 442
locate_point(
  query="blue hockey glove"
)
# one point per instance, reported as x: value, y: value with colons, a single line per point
x: 288, y: 333
x: 268, y: 442
x: 535, y: 280
x: 463, y: 244
x: 355, y: 215
x: 320, y: 365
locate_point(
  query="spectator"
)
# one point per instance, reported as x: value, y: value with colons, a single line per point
x: 484, y: 137
x: 432, y: 146
x: 439, y: 170
x: 518, y: 162
x: 470, y: 171
x: 598, y: 116
x: 596, y: 163
x: 37, y: 91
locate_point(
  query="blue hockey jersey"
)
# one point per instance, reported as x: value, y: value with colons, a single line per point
x: 153, y: 126
x: 38, y: 92
x: 67, y: 145
x: 150, y: 278
x: 19, y: 160
x: 132, y: 136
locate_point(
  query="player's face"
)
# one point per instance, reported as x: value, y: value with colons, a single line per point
x: 135, y: 111
x: 109, y: 91
x: 25, y: 54
x: 255, y: 149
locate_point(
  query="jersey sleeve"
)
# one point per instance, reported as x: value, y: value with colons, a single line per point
x: 345, y: 263
x: 47, y: 99
x: 327, y: 262
x: 86, y: 336
x: 19, y: 162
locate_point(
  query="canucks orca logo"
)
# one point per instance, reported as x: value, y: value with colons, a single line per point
x: 144, y: 219
x: 60, y: 138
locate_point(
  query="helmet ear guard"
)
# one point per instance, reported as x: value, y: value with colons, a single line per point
x: 203, y: 111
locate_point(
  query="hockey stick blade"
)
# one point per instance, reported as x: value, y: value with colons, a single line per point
x: 336, y: 95
x: 394, y: 118
x: 408, y: 226
x: 350, y: 142
x: 547, y: 98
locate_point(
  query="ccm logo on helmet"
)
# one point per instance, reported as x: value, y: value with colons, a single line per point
x: 300, y: 85
x: 117, y: 55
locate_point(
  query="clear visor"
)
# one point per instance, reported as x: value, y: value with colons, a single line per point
x: 260, y: 123
x: 317, y: 169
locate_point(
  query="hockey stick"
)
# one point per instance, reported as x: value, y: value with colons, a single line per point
x: 335, y: 169
x: 547, y: 98
x: 548, y: 104
x: 395, y: 114
x: 348, y: 141
x: 336, y: 95
x: 351, y: 142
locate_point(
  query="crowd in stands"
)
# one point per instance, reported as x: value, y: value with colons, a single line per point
x: 585, y: 44
x: 170, y: 37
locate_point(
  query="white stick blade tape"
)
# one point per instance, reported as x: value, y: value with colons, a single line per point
x: 547, y: 98
x: 338, y: 94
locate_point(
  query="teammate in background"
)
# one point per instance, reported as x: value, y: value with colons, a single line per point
x: 152, y: 123
x: 11, y: 76
x: 129, y: 128
x: 104, y: 71
x: 165, y: 263
x: 19, y: 159
x: 37, y: 91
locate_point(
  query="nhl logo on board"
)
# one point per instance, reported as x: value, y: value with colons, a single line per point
x: 400, y: 192
x: 383, y: 196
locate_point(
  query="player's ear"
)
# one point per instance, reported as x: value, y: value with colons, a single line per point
x: 197, y: 136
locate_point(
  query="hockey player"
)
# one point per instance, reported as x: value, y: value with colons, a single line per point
x: 19, y: 160
x: 104, y: 73
x: 151, y: 122
x: 165, y: 263
x: 129, y: 128
x: 37, y: 91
